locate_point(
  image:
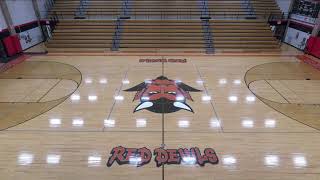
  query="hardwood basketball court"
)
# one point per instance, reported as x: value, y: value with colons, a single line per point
x: 159, y: 89
x: 61, y: 116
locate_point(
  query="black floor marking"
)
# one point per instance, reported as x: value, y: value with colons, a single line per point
x: 117, y: 93
x: 50, y: 90
x: 163, y: 116
x: 248, y: 86
x: 278, y: 92
x: 65, y: 98
x: 207, y: 93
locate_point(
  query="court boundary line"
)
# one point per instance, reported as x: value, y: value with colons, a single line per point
x: 117, y: 92
x: 207, y: 93
x: 36, y: 79
x: 65, y: 98
x: 248, y: 86
x: 163, y: 117
x: 50, y: 90
x: 276, y: 90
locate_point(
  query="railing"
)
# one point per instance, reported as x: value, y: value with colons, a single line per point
x: 278, y: 17
x: 207, y: 35
x: 80, y: 13
x: 204, y: 8
x: 99, y: 15
x: 178, y: 15
x: 165, y: 15
x: 48, y: 5
x: 117, y: 35
x: 54, y: 20
x: 248, y: 7
x: 126, y: 8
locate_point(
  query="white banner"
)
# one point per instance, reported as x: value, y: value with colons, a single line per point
x: 30, y: 38
x: 306, y: 19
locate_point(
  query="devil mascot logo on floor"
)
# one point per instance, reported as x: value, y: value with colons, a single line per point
x: 162, y: 95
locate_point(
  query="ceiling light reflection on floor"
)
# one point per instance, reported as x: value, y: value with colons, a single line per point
x: 271, y: 160
x: 94, y: 161
x: 75, y: 97
x: 141, y: 123
x: 237, y: 82
x: 206, y: 98
x: 55, y: 122
x: 270, y: 123
x: 53, y: 159
x: 103, y: 81
x: 189, y: 160
x: 229, y: 160
x: 77, y: 122
x: 215, y: 123
x: 125, y: 81
x: 250, y: 98
x: 247, y: 123
x: 233, y: 98
x: 119, y: 98
x: 88, y: 81
x: 92, y: 98
x: 299, y: 160
x: 25, y: 159
x: 110, y: 123
x: 183, y: 124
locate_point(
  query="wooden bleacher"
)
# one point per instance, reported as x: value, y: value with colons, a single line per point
x: 162, y: 35
x: 96, y: 9
x: 235, y: 9
x: 148, y: 9
x: 247, y: 35
x: 231, y: 30
x: 82, y: 36
x: 264, y: 8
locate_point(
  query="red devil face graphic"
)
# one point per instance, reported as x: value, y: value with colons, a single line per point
x: 163, y: 95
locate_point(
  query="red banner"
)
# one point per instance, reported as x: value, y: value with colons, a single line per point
x: 12, y: 45
x: 313, y: 46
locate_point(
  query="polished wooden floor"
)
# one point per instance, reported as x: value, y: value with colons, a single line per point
x: 84, y: 115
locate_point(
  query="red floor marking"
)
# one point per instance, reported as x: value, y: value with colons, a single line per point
x: 314, y: 62
x: 14, y: 62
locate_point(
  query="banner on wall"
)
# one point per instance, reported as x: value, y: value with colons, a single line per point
x: 313, y: 46
x: 306, y: 19
x: 296, y: 38
x: 30, y: 37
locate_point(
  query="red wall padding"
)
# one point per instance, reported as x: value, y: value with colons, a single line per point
x: 12, y: 45
x: 313, y: 46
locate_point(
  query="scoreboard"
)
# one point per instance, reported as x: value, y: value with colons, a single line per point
x: 306, y: 8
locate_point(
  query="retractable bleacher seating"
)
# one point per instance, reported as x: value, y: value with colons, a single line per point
x: 164, y: 25
x: 94, y: 9
x: 82, y: 36
x: 265, y: 8
x: 152, y: 35
x: 65, y: 9
x: 165, y: 9
x: 248, y: 35
x: 238, y: 9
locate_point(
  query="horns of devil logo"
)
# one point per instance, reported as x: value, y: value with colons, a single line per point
x: 148, y: 104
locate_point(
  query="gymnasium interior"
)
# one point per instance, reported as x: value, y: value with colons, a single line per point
x: 160, y: 89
